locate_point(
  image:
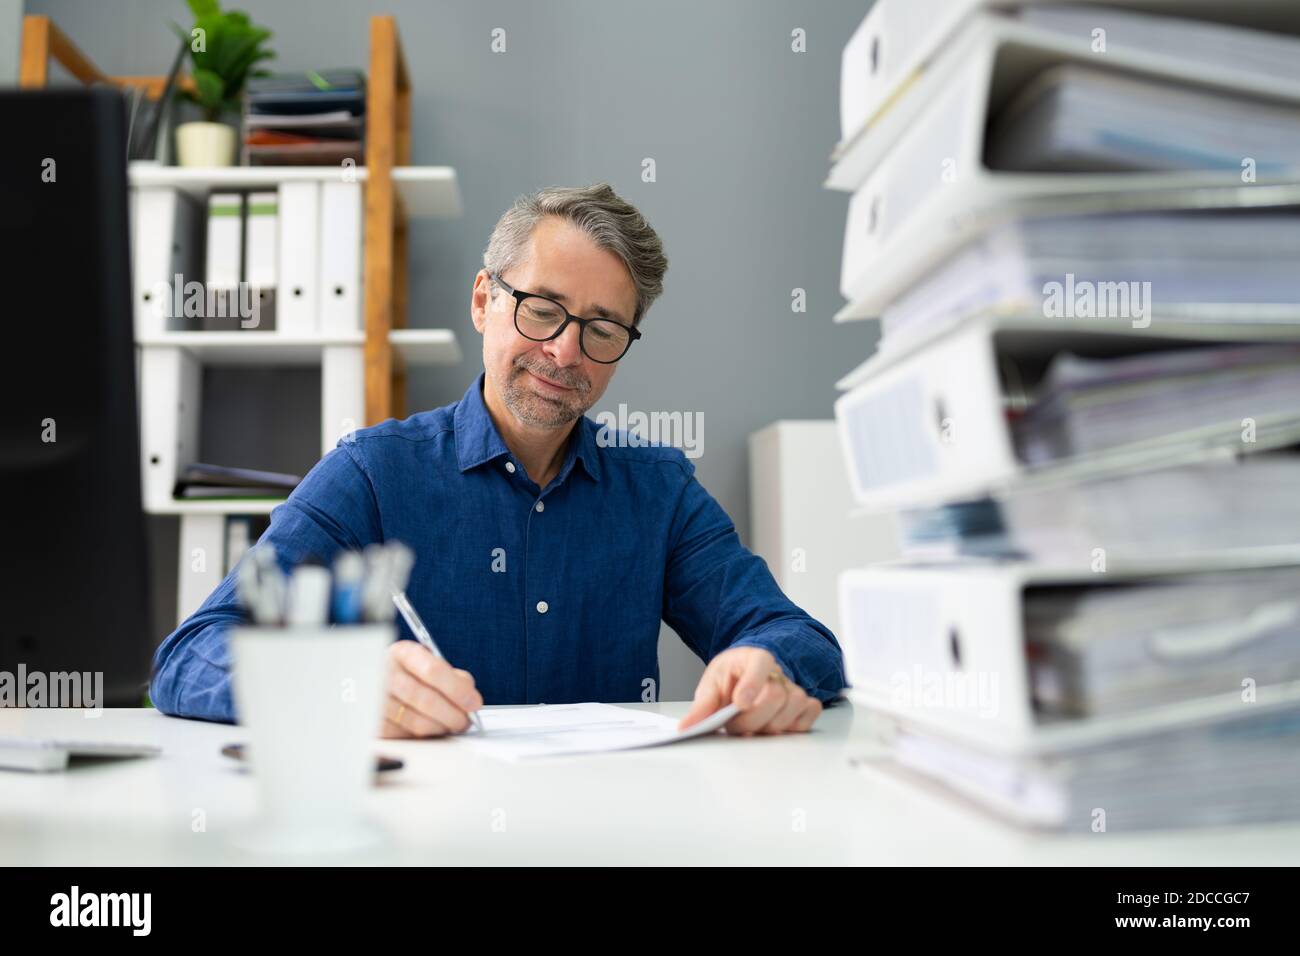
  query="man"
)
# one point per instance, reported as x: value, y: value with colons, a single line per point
x: 546, y: 555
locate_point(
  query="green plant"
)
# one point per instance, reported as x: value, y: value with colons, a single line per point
x: 224, y: 49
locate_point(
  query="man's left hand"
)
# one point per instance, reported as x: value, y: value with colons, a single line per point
x: 750, y: 677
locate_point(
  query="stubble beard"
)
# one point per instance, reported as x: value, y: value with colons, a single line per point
x: 544, y: 411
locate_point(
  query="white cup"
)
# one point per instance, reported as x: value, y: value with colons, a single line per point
x: 311, y: 700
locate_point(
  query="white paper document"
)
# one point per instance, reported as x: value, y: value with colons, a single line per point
x: 550, y: 730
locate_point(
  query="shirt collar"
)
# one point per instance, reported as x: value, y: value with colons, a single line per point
x: 478, y: 441
x: 586, y: 450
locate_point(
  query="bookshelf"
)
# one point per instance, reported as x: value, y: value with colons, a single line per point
x: 363, y: 372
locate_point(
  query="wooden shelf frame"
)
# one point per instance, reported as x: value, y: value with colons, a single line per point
x: 43, y: 41
x: 388, y: 144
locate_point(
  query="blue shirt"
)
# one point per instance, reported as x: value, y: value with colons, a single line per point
x: 546, y: 595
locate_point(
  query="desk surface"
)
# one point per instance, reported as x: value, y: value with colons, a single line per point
x: 756, y: 800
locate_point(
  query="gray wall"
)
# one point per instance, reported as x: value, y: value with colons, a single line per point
x: 11, y: 19
x: 739, y: 126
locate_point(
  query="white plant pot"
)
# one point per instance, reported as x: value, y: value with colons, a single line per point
x: 205, y: 144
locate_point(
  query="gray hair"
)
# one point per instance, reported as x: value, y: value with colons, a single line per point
x: 611, y: 222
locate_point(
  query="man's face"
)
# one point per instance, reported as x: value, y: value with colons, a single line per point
x: 550, y: 384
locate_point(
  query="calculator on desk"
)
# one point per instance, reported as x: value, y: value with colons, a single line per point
x: 41, y: 754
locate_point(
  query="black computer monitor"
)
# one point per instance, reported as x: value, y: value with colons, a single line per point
x: 74, y: 579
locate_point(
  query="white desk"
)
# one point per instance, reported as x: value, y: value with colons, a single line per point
x: 719, y: 800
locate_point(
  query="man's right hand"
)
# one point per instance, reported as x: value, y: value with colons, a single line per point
x: 424, y: 695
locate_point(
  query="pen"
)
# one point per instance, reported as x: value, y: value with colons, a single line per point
x: 377, y: 584
x: 422, y: 635
x: 349, y: 578
x: 261, y: 586
x: 308, y: 597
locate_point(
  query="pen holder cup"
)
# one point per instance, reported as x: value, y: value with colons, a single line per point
x: 311, y: 699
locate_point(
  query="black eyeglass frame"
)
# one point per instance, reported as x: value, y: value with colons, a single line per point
x: 633, y: 332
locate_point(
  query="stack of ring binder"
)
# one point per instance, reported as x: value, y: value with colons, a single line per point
x: 1077, y: 226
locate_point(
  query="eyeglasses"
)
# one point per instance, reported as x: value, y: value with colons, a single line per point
x: 541, y: 319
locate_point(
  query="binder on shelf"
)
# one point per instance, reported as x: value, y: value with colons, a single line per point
x: 343, y: 394
x: 930, y: 426
x: 930, y: 190
x: 1196, y: 267
x: 297, y: 303
x: 168, y: 234
x: 169, y: 439
x: 943, y: 648
x: 888, y: 53
x: 262, y: 257
x: 340, y: 257
x: 905, y: 52
x: 222, y: 275
x: 202, y: 560
x: 1224, y: 504
x: 1237, y: 769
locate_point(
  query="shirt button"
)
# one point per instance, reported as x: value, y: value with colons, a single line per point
x: 542, y: 607
x: 541, y: 506
x: 510, y: 467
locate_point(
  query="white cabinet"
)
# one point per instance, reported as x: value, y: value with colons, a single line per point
x: 802, y: 520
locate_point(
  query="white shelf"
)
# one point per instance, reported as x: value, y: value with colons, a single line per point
x: 251, y: 348
x: 425, y: 346
x: 415, y: 347
x: 218, y: 506
x: 427, y: 192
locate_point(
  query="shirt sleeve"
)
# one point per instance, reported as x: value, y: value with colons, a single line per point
x: 332, y: 509
x: 718, y: 595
